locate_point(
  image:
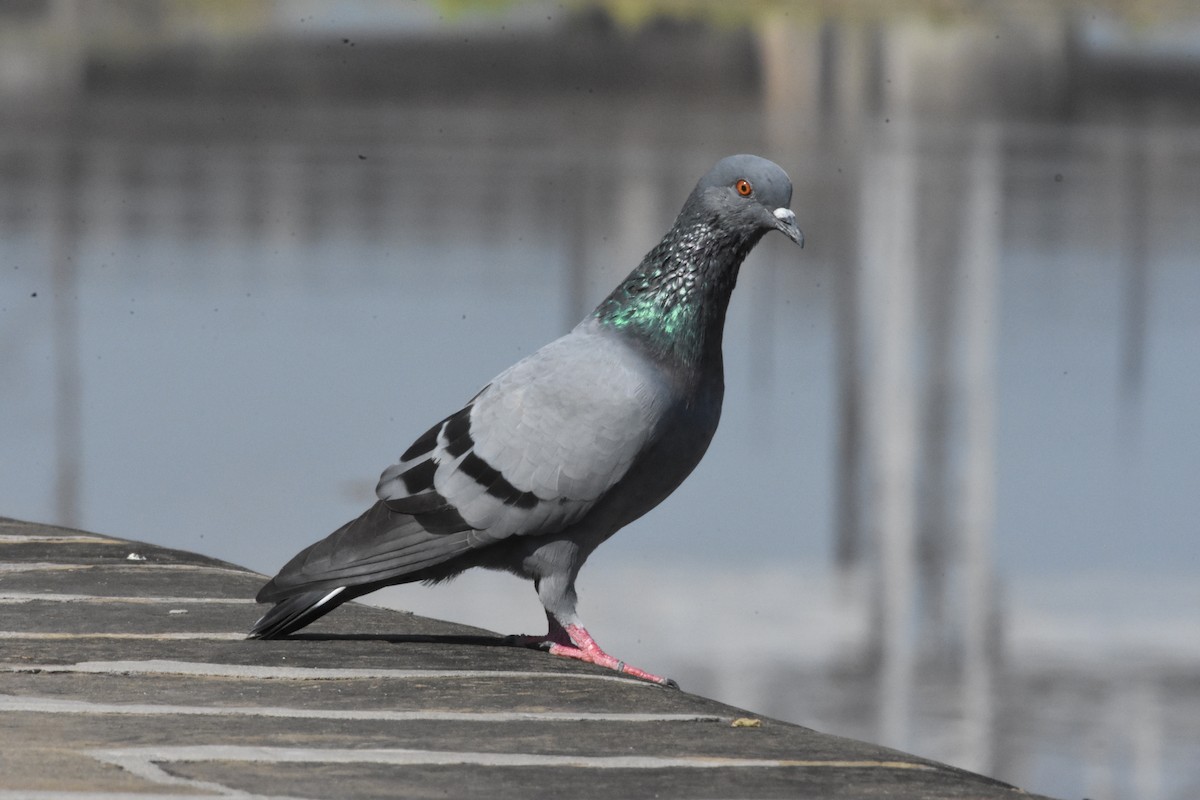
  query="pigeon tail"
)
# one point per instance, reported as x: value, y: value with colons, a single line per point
x: 379, y: 548
x: 297, y: 611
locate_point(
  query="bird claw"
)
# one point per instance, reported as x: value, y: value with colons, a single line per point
x: 573, y: 641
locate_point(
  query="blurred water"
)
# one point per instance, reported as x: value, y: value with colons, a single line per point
x: 221, y: 318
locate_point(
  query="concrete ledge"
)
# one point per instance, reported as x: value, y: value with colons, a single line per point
x: 124, y: 673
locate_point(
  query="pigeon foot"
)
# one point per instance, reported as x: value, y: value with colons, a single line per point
x: 573, y: 641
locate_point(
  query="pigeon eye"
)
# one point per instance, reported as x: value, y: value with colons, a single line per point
x: 744, y: 188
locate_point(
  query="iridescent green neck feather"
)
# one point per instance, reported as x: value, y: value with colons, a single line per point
x: 674, y: 303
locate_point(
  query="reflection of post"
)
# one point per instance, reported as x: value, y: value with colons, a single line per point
x: 790, y: 58
x: 935, y: 546
x: 1135, y: 198
x: 888, y: 248
x: 64, y: 251
x: 977, y: 320
x: 848, y: 545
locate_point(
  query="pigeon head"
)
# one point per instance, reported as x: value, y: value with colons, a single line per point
x: 750, y: 193
x: 673, y: 305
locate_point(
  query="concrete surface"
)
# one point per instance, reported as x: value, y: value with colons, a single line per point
x: 124, y: 673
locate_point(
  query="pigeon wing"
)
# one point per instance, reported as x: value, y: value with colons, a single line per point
x: 535, y: 450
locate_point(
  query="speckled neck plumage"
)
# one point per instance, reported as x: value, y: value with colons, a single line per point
x: 674, y: 303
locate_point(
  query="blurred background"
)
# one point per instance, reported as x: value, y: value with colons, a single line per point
x: 250, y: 250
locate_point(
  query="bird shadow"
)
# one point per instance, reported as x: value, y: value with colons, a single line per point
x: 415, y: 638
x: 432, y: 638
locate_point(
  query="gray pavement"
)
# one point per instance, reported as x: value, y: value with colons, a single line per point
x: 124, y: 673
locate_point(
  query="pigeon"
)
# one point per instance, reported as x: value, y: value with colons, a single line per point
x: 567, y: 446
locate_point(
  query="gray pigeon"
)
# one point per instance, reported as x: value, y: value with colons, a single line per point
x: 568, y: 445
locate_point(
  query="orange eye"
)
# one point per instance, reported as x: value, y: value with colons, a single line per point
x: 743, y: 187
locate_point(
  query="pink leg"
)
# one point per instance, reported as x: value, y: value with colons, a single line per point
x: 573, y: 641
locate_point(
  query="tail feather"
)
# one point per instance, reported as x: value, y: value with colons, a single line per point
x: 379, y: 548
x: 295, y: 612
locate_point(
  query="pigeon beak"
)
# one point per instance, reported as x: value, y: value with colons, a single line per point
x: 785, y: 223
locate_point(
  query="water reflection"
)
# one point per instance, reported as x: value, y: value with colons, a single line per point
x: 950, y: 506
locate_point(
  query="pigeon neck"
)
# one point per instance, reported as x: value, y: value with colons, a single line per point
x: 674, y: 303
